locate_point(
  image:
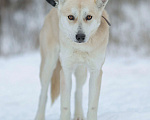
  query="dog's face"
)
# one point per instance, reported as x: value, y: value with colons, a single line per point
x: 79, y: 19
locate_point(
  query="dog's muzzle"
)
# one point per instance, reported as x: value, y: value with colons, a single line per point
x: 80, y: 38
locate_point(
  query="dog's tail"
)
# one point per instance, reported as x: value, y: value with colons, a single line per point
x: 55, y: 83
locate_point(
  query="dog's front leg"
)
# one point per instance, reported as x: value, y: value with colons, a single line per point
x: 94, y: 91
x: 65, y: 91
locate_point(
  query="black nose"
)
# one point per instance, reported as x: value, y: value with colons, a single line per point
x: 80, y: 37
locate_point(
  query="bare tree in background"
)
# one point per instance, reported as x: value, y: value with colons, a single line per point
x: 130, y: 26
x: 3, y: 4
x: 21, y: 21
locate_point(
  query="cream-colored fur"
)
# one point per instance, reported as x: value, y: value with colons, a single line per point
x: 58, y: 45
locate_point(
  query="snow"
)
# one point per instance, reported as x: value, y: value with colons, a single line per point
x: 125, y: 92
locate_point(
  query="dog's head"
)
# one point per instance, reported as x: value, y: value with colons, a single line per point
x: 79, y: 19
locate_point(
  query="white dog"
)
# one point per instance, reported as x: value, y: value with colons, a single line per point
x: 74, y: 38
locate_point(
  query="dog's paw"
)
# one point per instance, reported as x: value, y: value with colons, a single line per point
x: 78, y: 117
x: 39, y: 117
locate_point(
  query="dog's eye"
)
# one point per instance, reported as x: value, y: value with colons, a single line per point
x: 89, y: 17
x: 71, y: 17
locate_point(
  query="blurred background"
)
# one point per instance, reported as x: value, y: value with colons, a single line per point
x: 126, y: 79
x: 21, y: 21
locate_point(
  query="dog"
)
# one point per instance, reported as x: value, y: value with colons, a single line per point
x: 73, y: 39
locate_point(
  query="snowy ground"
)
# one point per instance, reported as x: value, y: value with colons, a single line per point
x: 125, y: 93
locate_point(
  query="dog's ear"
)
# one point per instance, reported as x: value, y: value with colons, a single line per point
x: 55, y: 3
x: 101, y: 3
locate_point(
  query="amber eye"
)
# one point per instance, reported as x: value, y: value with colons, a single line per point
x: 89, y: 17
x: 71, y: 17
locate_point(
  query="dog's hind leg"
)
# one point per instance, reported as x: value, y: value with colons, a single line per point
x: 81, y: 75
x: 49, y: 44
x: 48, y: 64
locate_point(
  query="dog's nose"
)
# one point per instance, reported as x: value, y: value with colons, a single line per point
x: 80, y: 37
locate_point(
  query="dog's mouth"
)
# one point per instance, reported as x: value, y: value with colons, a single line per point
x: 80, y: 42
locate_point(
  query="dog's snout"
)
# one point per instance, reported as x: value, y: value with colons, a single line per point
x: 80, y: 37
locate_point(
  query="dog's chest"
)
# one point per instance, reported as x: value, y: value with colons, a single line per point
x: 71, y: 57
x: 74, y: 56
x: 80, y: 57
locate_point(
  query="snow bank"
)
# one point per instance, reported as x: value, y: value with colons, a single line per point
x: 124, y: 94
